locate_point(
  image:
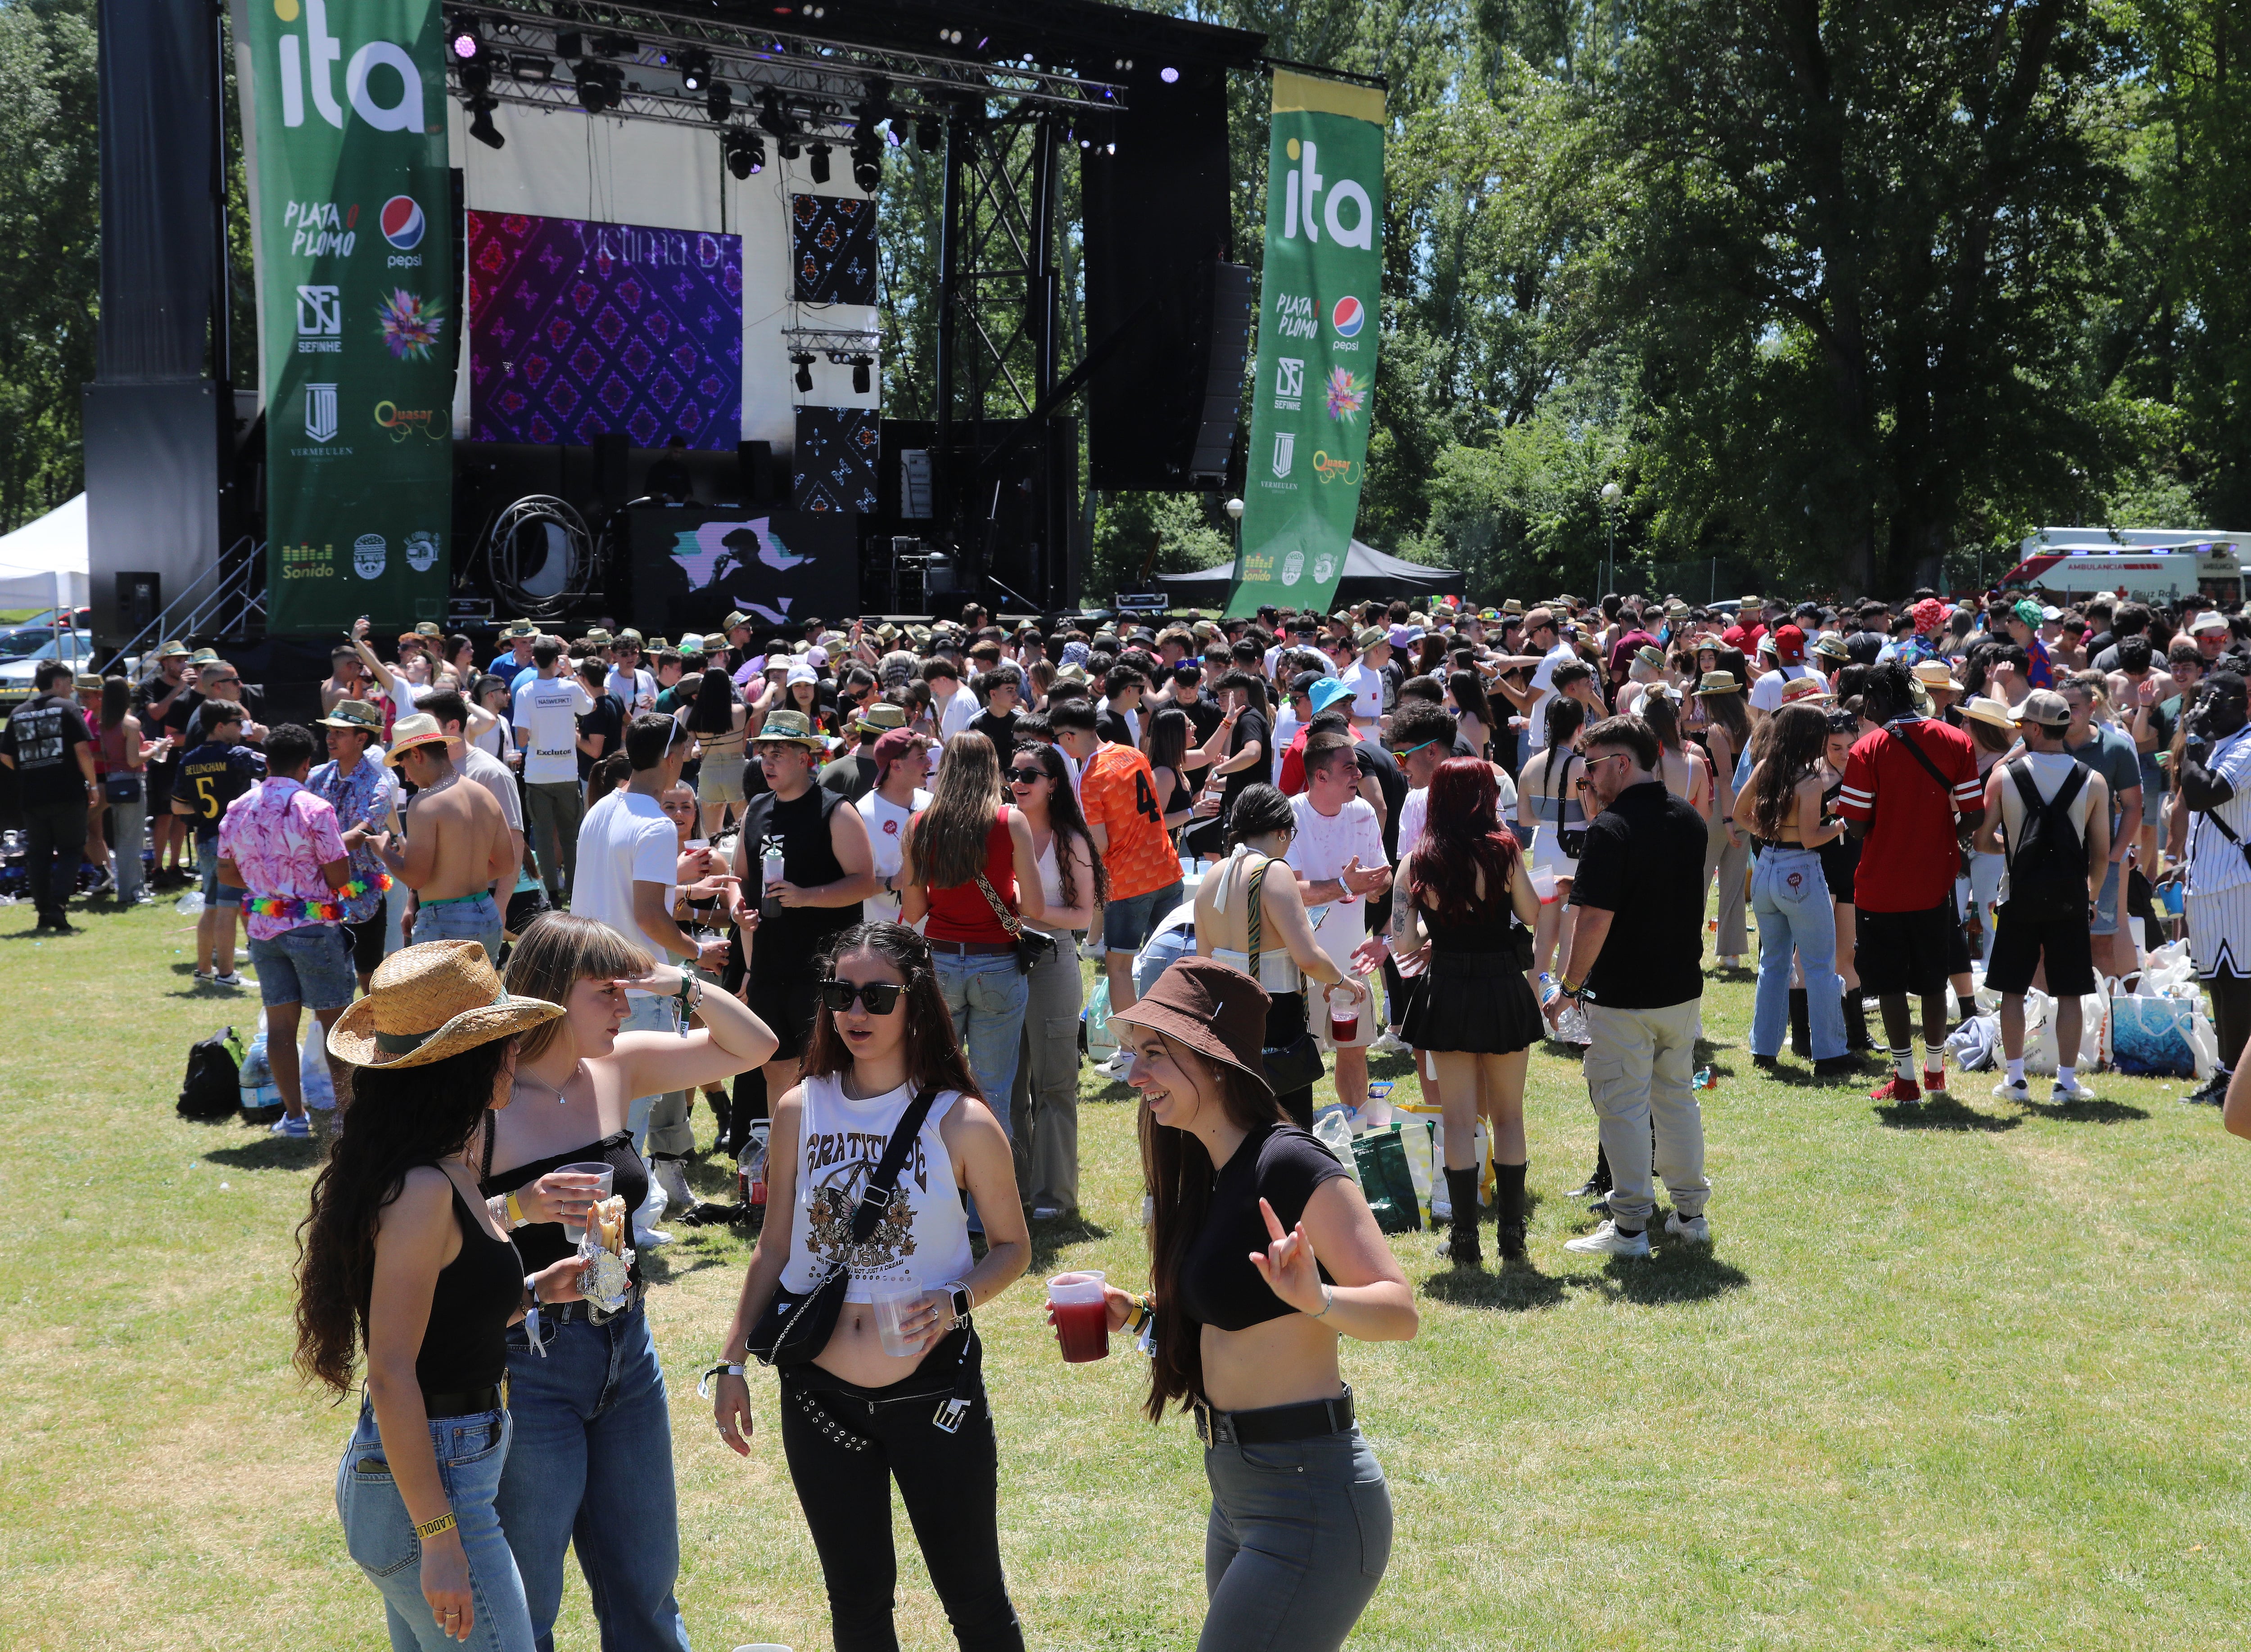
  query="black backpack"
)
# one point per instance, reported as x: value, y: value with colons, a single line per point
x: 211, y: 1090
x: 2047, y: 864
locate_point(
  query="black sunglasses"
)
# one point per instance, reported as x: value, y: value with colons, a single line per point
x: 1025, y: 777
x: 880, y: 998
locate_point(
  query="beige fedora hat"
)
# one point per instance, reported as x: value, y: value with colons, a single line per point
x: 425, y: 1003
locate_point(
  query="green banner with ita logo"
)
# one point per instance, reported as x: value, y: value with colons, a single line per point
x: 356, y: 307
x: 1317, y: 331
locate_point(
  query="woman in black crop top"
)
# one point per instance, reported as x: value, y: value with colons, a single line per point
x: 592, y: 1420
x: 400, y: 1258
x: 1264, y: 1253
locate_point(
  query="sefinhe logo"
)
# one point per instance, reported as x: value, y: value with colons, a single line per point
x: 323, y: 48
x: 1349, y: 316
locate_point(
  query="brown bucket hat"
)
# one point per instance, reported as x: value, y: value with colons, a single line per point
x: 1212, y: 1008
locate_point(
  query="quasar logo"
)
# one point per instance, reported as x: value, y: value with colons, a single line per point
x: 403, y: 223
x: 1348, y: 317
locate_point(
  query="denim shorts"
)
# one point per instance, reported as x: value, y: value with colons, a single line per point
x: 311, y: 965
x: 215, y: 893
x: 474, y: 920
x: 2106, y: 909
x: 1126, y: 923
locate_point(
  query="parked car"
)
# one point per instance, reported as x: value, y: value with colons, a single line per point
x: 22, y: 655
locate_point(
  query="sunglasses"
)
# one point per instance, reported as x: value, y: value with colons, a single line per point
x: 1402, y: 753
x: 1025, y: 777
x: 880, y: 998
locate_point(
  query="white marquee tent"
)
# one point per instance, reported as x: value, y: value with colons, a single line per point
x: 43, y: 563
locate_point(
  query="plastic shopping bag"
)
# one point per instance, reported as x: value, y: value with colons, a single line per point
x: 2153, y: 1036
x: 1101, y: 1043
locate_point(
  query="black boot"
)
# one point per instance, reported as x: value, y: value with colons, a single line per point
x: 1801, y: 1021
x: 1461, y: 1248
x: 1508, y: 1206
x: 1856, y: 1023
x: 1598, y: 1182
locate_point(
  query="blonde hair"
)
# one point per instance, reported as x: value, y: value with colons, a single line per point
x: 556, y: 952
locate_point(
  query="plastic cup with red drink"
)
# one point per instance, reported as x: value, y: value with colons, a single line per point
x: 1081, y: 1312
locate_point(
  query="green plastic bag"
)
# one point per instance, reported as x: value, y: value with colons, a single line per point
x: 1382, y: 1158
x: 1101, y: 1043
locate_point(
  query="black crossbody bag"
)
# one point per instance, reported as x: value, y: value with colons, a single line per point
x: 797, y: 1325
x: 1297, y: 1065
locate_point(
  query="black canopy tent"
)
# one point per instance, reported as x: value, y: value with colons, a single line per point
x: 1368, y: 574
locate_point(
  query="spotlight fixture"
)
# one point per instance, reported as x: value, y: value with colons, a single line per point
x: 480, y: 122
x: 745, y: 153
x: 1168, y: 75
x: 860, y: 366
x: 462, y: 41
x: 803, y: 360
x: 476, y: 77
x: 614, y: 45
x: 718, y: 102
x: 600, y: 84
x: 817, y: 162
x: 949, y: 37
x: 926, y: 135
x: 770, y: 114
x: 694, y: 71
x: 530, y: 66
x: 868, y: 161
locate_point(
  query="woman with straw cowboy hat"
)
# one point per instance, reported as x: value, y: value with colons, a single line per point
x: 402, y: 1259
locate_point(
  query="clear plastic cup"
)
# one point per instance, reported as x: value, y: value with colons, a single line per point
x: 1543, y: 884
x: 1343, y: 1015
x: 1081, y: 1315
x: 893, y: 1301
x: 576, y: 1231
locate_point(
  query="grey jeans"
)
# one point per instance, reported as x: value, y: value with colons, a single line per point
x: 1731, y: 862
x: 552, y: 811
x: 1046, y: 1099
x: 1640, y: 1069
x: 1298, y: 1540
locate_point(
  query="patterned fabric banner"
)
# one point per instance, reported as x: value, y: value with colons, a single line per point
x: 836, y: 459
x: 832, y: 241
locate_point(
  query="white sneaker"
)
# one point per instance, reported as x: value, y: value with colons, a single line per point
x: 232, y: 980
x: 1608, y: 1240
x: 1731, y: 960
x: 1118, y: 1066
x: 645, y: 1237
x: 2014, y: 1091
x: 2073, y: 1091
x: 1697, y: 1230
x: 1389, y: 1043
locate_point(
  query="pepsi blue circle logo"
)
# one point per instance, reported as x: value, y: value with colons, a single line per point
x: 1349, y: 316
x: 403, y: 223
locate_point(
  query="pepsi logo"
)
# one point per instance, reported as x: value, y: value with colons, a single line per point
x: 1348, y: 317
x: 403, y: 225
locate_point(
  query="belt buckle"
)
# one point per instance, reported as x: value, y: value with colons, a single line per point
x: 1205, y: 1432
x: 950, y: 1412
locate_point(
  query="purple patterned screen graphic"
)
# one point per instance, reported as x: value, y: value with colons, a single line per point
x: 580, y: 330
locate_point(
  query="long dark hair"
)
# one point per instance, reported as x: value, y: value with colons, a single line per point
x: 1462, y: 835
x: 402, y: 1117
x: 1727, y: 710
x: 934, y: 1058
x: 1793, y: 741
x: 1468, y: 690
x: 714, y: 709
x: 1169, y: 740
x: 1178, y: 1174
x: 117, y: 701
x: 1068, y: 821
x: 948, y: 839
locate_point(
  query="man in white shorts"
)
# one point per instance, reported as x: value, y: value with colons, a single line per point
x: 1338, y: 855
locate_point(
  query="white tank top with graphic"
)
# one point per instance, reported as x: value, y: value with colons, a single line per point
x: 922, y: 1238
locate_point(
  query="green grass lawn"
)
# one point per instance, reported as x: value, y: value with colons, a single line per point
x: 1958, y: 1379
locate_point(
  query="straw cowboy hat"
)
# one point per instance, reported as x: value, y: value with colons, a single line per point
x: 356, y: 715
x: 790, y: 728
x: 1935, y: 674
x: 1800, y: 688
x: 1996, y: 712
x: 1719, y: 682
x: 420, y: 730
x: 425, y: 1003
x: 880, y: 718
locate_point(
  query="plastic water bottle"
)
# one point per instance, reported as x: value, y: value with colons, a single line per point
x: 1705, y: 1079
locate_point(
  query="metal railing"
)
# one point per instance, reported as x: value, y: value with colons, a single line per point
x: 215, y: 602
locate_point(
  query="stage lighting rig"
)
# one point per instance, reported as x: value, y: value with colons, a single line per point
x: 817, y: 162
x: 868, y: 161
x: 803, y: 360
x: 694, y: 71
x: 926, y: 134
x: 860, y: 366
x: 480, y: 122
x: 464, y: 43
x: 719, y: 102
x: 745, y: 153
x: 600, y: 84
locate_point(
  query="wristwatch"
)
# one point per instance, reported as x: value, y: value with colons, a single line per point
x: 963, y: 1303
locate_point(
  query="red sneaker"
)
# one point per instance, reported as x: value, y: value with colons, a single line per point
x: 1934, y: 1083
x: 1901, y: 1092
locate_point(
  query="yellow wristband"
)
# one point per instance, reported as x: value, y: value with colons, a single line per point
x: 515, y: 1211
x: 432, y: 1528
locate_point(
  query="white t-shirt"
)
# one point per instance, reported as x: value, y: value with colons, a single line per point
x: 1544, y: 683
x: 1367, y: 685
x: 887, y: 829
x: 546, y: 716
x: 636, y: 690
x: 1413, y: 807
x: 957, y: 715
x: 496, y: 741
x: 1766, y: 693
x: 1322, y: 845
x: 626, y: 838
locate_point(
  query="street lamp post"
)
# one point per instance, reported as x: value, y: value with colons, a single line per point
x: 1610, y: 497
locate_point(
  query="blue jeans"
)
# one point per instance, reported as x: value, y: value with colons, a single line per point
x: 1795, y: 914
x: 592, y: 1468
x: 477, y: 920
x: 988, y: 996
x: 379, y: 1533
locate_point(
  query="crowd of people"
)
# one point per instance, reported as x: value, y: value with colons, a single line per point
x: 840, y: 883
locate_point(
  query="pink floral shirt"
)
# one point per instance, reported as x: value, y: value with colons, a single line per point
x: 279, y: 835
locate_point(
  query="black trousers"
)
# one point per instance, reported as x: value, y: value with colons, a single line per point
x: 54, y: 845
x: 846, y: 1444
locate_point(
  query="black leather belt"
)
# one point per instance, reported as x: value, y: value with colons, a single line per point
x: 1273, y: 1423
x: 974, y: 949
x: 467, y: 1404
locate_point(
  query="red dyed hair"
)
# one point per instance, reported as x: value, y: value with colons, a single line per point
x: 1462, y: 834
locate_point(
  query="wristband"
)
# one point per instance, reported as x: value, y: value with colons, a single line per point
x: 516, y: 1219
x: 432, y: 1528
x: 724, y: 1368
x: 1328, y: 1301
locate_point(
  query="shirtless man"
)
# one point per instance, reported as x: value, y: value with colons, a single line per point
x: 457, y: 843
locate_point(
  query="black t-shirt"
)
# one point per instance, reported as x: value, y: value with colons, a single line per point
x: 1001, y: 731
x: 1250, y: 726
x: 607, y: 719
x: 212, y: 776
x: 1376, y: 761
x: 1111, y: 726
x: 1644, y: 863
x: 1204, y: 715
x: 853, y: 776
x: 787, y: 937
x: 1218, y: 1285
x: 176, y: 715
x: 43, y: 738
